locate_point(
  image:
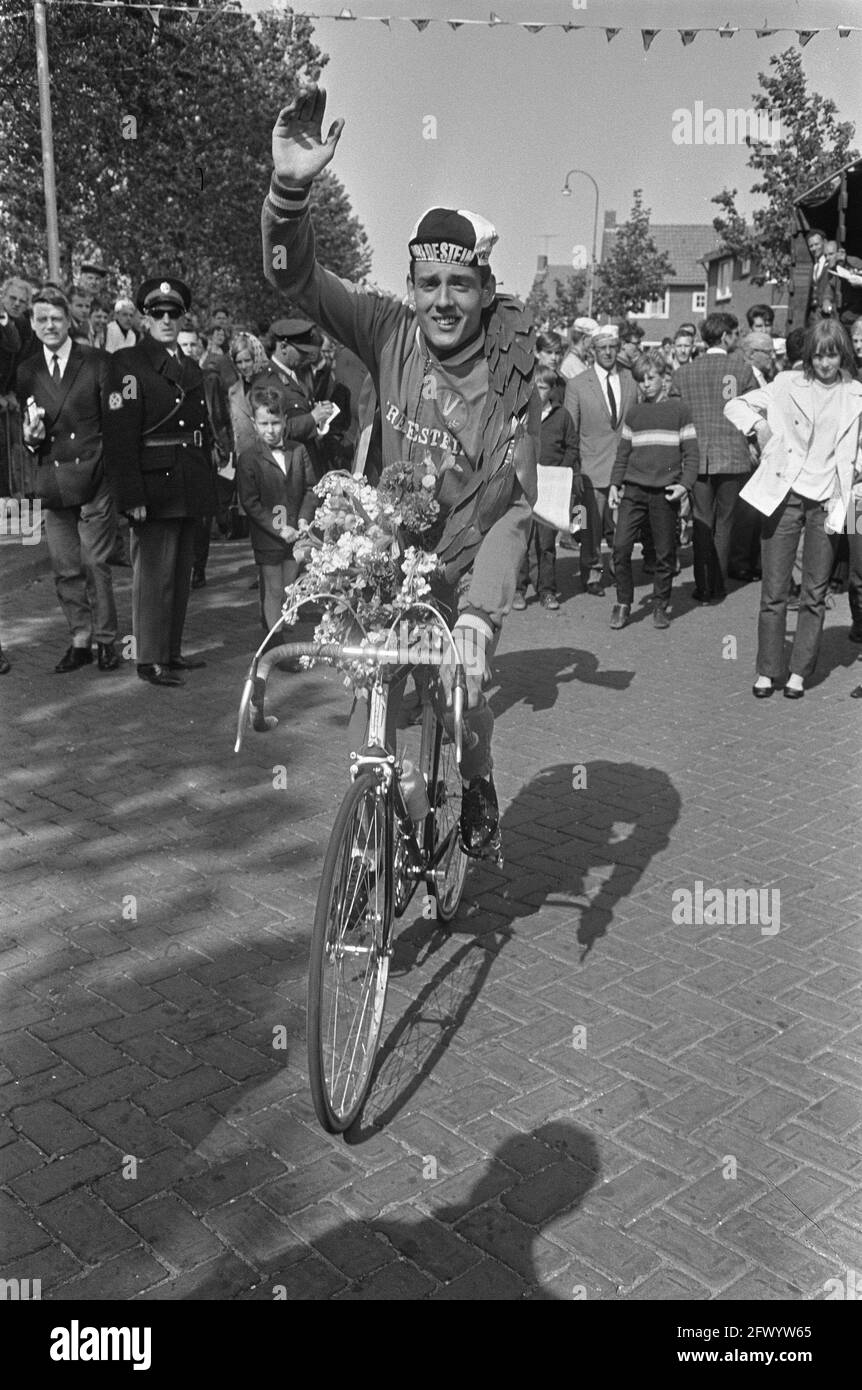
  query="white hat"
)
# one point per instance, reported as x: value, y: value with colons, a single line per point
x: 584, y: 325
x: 606, y: 330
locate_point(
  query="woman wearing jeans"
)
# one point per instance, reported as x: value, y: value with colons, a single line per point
x: 807, y: 424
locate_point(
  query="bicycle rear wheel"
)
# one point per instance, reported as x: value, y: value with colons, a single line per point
x: 446, y: 805
x: 349, y: 968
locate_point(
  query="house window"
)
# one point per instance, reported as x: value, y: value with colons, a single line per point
x: 745, y: 266
x: 656, y: 308
x: 698, y: 302
x: 725, y: 275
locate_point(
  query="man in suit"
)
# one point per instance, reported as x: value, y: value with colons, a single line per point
x: 597, y: 401
x: 60, y: 390
x: 159, y: 469
x: 706, y: 385
x: 295, y: 351
x: 822, y: 294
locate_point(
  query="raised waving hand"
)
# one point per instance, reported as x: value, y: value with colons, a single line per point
x: 299, y: 152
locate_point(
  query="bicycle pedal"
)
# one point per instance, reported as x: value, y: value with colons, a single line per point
x: 493, y: 850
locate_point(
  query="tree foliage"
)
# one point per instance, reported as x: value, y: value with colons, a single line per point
x: 162, y: 138
x: 635, y: 270
x: 812, y: 144
x: 560, y: 312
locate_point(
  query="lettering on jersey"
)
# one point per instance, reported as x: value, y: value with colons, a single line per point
x: 420, y: 434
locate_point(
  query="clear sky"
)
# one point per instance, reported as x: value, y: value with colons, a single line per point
x: 515, y: 111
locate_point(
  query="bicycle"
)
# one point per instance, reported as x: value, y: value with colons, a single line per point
x: 378, y: 854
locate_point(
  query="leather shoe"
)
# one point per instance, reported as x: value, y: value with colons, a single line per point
x: 73, y: 658
x: 620, y: 614
x: 762, y: 692
x: 185, y: 663
x: 792, y: 692
x: 157, y: 675
x: 549, y: 601
x: 108, y: 658
x: 596, y: 588
x: 659, y: 616
x: 519, y: 602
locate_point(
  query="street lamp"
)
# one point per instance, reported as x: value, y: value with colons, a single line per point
x: 567, y: 193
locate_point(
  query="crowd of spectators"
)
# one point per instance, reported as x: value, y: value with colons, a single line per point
x: 659, y: 446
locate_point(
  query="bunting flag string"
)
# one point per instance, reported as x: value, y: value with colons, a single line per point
x: 493, y: 21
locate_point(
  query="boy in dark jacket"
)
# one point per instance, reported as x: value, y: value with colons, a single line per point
x: 657, y: 462
x: 275, y: 481
x: 558, y: 449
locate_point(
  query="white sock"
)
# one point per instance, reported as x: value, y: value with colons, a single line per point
x: 794, y: 681
x: 762, y: 682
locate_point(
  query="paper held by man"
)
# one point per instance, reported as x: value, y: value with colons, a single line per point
x: 851, y: 276
x: 554, y: 500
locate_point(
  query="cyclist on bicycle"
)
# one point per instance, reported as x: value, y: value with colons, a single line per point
x: 453, y: 370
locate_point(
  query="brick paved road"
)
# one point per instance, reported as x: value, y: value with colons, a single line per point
x: 577, y: 1095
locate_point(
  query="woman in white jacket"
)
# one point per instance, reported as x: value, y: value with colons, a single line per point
x: 809, y: 427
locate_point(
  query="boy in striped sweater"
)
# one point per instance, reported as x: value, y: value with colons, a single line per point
x: 657, y: 462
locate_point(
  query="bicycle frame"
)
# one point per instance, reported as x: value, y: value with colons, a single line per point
x: 422, y: 857
x: 390, y: 665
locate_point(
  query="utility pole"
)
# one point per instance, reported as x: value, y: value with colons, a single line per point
x: 42, y: 70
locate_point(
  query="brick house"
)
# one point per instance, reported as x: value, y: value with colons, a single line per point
x: 685, y: 295
x: 730, y: 287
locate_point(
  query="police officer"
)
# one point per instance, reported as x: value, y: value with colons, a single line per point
x: 157, y: 462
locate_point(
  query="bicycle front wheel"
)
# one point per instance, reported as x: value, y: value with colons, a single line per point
x: 451, y: 869
x: 349, y: 968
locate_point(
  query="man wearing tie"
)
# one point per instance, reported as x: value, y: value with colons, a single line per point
x: 158, y: 467
x: 821, y: 292
x: 60, y: 390
x: 597, y: 401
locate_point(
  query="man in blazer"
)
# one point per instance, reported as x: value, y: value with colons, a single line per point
x: 159, y: 470
x: 598, y: 400
x: 706, y: 385
x: 60, y: 391
x: 823, y: 293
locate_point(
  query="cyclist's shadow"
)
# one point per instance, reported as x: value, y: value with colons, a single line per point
x: 581, y: 846
x: 581, y: 836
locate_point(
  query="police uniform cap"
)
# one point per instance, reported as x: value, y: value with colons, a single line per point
x: 90, y: 269
x: 298, y: 330
x: 163, y: 292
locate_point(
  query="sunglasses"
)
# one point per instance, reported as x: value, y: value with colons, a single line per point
x: 166, y: 314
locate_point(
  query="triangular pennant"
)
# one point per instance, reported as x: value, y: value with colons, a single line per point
x: 155, y: 16
x: 569, y: 28
x: 454, y: 23
x: 346, y: 14
x: 805, y: 36
x: 494, y: 19
x: 648, y: 35
x: 765, y: 33
x: 533, y: 28
x: 387, y: 22
x: 688, y: 35
x: 611, y: 34
x: 727, y: 31
x: 843, y: 33
x: 420, y: 24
